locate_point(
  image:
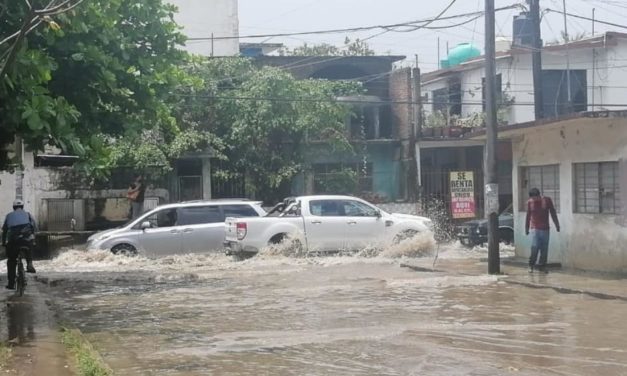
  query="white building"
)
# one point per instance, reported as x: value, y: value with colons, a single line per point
x: 580, y: 161
x: 209, y: 20
x: 598, y: 70
x: 577, y: 155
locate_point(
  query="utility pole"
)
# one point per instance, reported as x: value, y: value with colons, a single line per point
x: 491, y: 180
x: 536, y: 56
x: 413, y: 134
x: 568, y: 84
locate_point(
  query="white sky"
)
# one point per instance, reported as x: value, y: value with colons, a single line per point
x: 277, y: 16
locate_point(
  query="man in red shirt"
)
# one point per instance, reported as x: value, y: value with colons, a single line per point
x: 538, y: 210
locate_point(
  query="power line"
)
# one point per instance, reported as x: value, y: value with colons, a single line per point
x: 413, y: 26
x: 586, y: 18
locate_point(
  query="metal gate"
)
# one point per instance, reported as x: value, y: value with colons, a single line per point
x: 65, y: 214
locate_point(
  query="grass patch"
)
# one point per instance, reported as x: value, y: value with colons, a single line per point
x: 5, y: 354
x: 88, y: 361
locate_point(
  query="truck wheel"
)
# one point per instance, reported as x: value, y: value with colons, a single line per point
x: 294, y: 246
x: 407, y: 234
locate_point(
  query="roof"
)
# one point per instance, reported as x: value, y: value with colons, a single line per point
x: 508, y: 129
x: 601, y: 41
x: 324, y: 59
x: 261, y: 45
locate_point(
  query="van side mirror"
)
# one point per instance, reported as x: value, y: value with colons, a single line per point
x: 145, y: 225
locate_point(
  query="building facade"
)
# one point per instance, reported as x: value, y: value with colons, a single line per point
x: 453, y: 103
x: 379, y: 132
x: 212, y: 21
x: 581, y: 163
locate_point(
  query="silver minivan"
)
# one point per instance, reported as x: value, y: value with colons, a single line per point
x: 189, y: 227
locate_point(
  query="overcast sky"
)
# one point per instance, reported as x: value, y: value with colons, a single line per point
x: 275, y: 16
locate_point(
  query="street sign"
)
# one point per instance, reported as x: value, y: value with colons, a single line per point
x: 463, y: 194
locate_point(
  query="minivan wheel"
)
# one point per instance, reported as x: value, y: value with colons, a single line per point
x: 124, y: 249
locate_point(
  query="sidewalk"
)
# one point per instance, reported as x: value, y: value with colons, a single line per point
x: 565, y: 281
x: 32, y: 333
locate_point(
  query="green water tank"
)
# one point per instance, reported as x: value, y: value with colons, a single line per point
x: 462, y: 53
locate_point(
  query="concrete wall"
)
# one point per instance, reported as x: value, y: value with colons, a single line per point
x: 587, y: 241
x: 41, y: 183
x: 201, y: 18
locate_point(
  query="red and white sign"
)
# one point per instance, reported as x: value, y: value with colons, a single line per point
x: 463, y: 195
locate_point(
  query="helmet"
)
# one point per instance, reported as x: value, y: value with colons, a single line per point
x: 18, y: 203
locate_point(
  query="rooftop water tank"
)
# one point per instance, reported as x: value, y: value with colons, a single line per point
x: 462, y: 53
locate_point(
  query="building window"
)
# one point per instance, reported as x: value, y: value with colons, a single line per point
x: 545, y: 178
x: 596, y: 188
x: 555, y: 92
x: 448, y: 100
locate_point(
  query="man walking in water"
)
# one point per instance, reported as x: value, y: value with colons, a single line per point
x: 538, y: 210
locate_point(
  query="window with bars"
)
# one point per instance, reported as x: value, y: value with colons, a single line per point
x: 596, y: 187
x: 545, y: 178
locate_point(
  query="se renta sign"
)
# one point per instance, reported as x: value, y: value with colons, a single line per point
x: 463, y: 194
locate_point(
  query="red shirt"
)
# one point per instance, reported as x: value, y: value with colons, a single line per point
x: 538, y: 210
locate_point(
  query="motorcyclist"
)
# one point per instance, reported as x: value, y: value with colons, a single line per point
x: 18, y: 230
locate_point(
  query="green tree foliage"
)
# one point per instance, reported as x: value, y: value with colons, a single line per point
x: 355, y: 47
x: 108, y: 82
x: 266, y: 119
x: 96, y: 81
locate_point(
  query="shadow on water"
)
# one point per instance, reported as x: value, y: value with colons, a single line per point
x: 20, y: 320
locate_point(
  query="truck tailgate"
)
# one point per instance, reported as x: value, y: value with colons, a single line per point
x: 231, y: 229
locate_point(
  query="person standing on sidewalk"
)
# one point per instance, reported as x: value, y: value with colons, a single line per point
x: 135, y: 195
x: 538, y: 209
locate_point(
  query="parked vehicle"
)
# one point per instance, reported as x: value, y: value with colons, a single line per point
x: 190, y: 227
x: 322, y: 224
x: 475, y: 232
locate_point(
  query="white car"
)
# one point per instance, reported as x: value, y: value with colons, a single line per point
x: 182, y: 228
x: 322, y: 224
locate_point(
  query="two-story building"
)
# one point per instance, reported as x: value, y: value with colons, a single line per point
x: 379, y: 131
x: 576, y: 154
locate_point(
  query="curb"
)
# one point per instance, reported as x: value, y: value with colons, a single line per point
x: 566, y: 290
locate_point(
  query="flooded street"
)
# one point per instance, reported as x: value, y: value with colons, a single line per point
x: 209, y: 315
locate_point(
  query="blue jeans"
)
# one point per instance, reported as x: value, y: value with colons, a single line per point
x: 539, y: 243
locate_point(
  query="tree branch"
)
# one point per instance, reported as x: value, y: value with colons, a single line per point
x: 32, y: 21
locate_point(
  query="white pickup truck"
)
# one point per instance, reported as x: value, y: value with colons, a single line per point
x: 322, y: 224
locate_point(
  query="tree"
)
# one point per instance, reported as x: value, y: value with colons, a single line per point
x: 266, y: 120
x: 355, y: 47
x: 98, y: 81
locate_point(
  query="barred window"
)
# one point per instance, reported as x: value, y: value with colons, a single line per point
x: 596, y: 188
x: 545, y: 178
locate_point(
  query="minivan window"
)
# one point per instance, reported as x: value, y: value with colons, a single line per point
x: 161, y: 219
x: 198, y: 215
x: 239, y: 211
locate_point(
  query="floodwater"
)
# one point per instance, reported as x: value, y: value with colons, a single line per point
x: 359, y: 315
